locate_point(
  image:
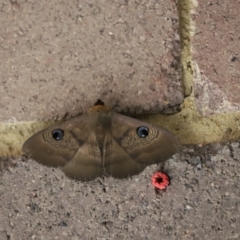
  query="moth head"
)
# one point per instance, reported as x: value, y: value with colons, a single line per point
x: 99, y: 107
x: 99, y: 102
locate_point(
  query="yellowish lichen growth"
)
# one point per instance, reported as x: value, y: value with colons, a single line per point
x: 13, y: 135
x: 192, y: 128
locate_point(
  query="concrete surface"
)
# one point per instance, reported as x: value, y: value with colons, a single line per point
x: 60, y: 57
x: 202, y: 201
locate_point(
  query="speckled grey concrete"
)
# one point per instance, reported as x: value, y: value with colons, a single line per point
x: 202, y: 201
x: 59, y: 57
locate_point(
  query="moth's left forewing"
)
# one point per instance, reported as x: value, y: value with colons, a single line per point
x: 156, y: 147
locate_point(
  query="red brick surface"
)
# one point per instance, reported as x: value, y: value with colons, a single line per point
x: 216, y: 56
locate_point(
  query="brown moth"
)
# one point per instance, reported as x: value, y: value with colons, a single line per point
x: 101, y: 142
